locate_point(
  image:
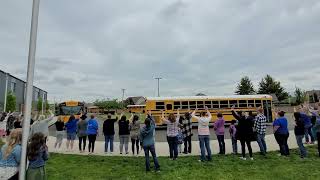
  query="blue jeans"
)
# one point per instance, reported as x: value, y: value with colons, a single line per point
x: 204, y: 141
x: 154, y: 156
x: 108, y: 139
x: 307, y: 132
x: 173, y: 146
x: 234, y: 145
x: 303, y: 151
x: 222, y: 145
x: 262, y: 143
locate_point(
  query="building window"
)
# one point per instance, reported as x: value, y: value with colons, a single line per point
x: 13, y: 86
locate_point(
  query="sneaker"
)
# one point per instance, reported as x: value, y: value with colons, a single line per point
x: 121, y: 153
x: 158, y: 171
x: 201, y: 160
x: 251, y: 158
x: 243, y: 158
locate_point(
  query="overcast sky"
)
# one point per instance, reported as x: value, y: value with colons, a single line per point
x: 91, y: 49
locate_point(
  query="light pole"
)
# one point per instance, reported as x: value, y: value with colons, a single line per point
x: 123, y: 91
x: 30, y: 75
x: 158, y: 78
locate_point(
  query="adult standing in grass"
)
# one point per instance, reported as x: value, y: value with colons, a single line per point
x: 124, y: 133
x: 37, y: 155
x: 147, y: 142
x: 307, y: 124
x: 134, y: 132
x: 317, y: 126
x: 108, y: 131
x: 260, y: 126
x: 299, y: 133
x: 219, y: 130
x: 187, y: 132
x: 59, y: 133
x: 244, y: 132
x: 92, y: 132
x: 71, y: 127
x: 204, y: 133
x: 10, y: 156
x: 82, y: 133
x: 172, y: 133
x: 281, y: 133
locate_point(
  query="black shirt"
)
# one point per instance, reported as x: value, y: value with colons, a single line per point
x: 108, y: 126
x: 59, y: 125
x: 299, y: 128
x: 124, y: 127
x: 17, y: 124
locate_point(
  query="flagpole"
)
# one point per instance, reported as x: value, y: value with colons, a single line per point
x: 29, y: 90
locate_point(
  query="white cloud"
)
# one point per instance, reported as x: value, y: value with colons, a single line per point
x: 92, y: 49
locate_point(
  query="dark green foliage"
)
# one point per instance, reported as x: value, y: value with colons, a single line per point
x: 270, y: 86
x: 245, y: 86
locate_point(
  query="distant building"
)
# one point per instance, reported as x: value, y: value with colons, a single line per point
x: 137, y: 100
x: 313, y: 95
x: 18, y: 88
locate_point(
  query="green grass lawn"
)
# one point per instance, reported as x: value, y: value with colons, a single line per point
x: 222, y: 167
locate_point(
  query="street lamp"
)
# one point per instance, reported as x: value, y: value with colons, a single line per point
x: 158, y: 78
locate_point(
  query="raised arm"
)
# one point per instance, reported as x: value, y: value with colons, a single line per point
x: 131, y: 117
x: 234, y: 113
x: 50, y: 118
x: 193, y: 115
x: 208, y: 113
x: 163, y: 118
x: 178, y: 115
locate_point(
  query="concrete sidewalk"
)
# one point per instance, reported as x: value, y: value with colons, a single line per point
x: 162, y: 148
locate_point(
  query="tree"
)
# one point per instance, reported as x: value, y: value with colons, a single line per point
x: 270, y: 86
x: 108, y: 104
x: 299, y: 95
x: 47, y: 105
x: 39, y: 105
x: 245, y: 86
x: 11, y: 102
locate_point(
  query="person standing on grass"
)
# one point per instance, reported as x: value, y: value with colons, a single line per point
x: 260, y: 126
x: 82, y: 127
x: 307, y: 124
x: 124, y: 133
x: 187, y: 132
x: 244, y: 132
x: 134, y: 132
x: 317, y: 128
x: 92, y: 132
x: 108, y: 131
x: 299, y: 133
x: 147, y: 142
x: 41, y: 126
x: 219, y: 129
x: 281, y: 133
x: 233, y: 131
x: 172, y: 133
x: 10, y: 156
x: 204, y: 133
x: 37, y: 155
x: 71, y: 127
x: 59, y: 133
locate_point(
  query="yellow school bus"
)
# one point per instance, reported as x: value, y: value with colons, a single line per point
x: 215, y: 104
x: 65, y: 109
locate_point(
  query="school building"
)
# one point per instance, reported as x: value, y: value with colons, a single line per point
x: 17, y: 86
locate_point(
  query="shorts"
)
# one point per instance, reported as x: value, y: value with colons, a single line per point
x: 59, y: 136
x: 71, y: 136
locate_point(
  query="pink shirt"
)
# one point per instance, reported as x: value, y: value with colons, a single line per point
x: 219, y: 126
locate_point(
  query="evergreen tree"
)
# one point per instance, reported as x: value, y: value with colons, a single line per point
x: 270, y: 86
x: 245, y: 86
x: 11, y: 102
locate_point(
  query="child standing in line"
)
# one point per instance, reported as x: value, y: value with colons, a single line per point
x: 232, y: 131
x: 37, y: 156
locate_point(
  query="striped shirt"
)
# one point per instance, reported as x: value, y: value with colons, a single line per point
x: 260, y: 124
x: 187, y: 127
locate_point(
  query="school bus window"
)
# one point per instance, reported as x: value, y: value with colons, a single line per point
x: 159, y: 105
x: 184, y: 105
x: 192, y: 104
x: 200, y: 105
x: 243, y: 103
x: 224, y: 104
x: 215, y: 104
x: 251, y: 103
x: 176, y: 105
x: 169, y: 106
x: 258, y: 103
x: 233, y: 102
x: 208, y: 104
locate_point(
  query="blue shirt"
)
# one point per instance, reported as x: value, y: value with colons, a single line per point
x: 13, y: 160
x: 40, y: 159
x: 306, y: 120
x: 146, y: 134
x: 92, y: 127
x: 282, y: 122
x: 71, y: 126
